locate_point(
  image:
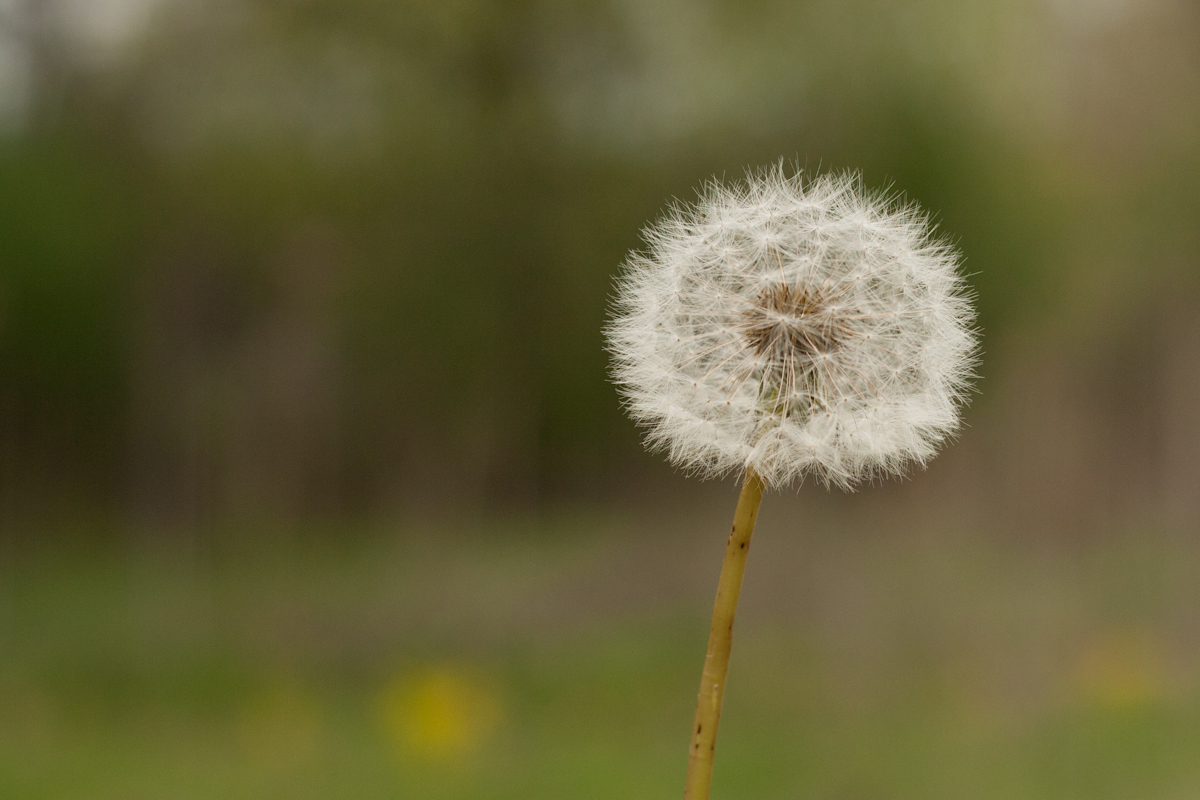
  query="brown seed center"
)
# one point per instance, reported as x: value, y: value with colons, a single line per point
x: 790, y: 324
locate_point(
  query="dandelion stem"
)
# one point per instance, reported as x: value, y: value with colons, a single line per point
x: 720, y: 641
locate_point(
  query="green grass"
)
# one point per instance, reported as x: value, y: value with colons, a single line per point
x: 565, y: 666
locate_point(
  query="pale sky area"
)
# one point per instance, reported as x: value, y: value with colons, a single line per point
x: 106, y: 23
x: 99, y: 28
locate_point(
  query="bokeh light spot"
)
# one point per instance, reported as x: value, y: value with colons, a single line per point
x: 440, y: 713
x: 1123, y: 671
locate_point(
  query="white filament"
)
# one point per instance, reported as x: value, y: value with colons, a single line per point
x: 793, y: 327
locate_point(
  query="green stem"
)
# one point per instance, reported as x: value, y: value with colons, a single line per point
x: 720, y: 641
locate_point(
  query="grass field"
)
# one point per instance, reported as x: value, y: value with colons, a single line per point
x: 558, y: 659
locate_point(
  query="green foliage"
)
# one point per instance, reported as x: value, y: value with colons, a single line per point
x: 67, y: 306
x: 459, y: 183
x: 555, y: 661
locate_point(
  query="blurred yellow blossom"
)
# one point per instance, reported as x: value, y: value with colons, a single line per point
x: 1123, y: 670
x: 440, y: 713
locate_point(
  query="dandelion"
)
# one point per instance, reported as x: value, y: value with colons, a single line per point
x: 440, y: 714
x: 791, y: 328
x: 780, y: 328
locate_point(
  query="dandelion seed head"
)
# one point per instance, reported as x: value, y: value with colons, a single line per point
x: 793, y: 327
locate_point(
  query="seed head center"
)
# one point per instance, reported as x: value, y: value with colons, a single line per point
x: 790, y: 324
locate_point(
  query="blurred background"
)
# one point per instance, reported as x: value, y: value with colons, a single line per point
x: 312, y: 484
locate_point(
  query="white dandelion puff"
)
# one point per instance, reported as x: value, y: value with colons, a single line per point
x: 791, y: 327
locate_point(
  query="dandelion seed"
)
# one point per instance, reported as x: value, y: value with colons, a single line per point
x: 802, y: 308
x: 786, y: 318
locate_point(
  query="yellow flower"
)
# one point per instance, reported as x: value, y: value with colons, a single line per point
x: 439, y: 713
x: 1123, y: 670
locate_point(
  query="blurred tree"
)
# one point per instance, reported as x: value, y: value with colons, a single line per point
x: 288, y: 257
